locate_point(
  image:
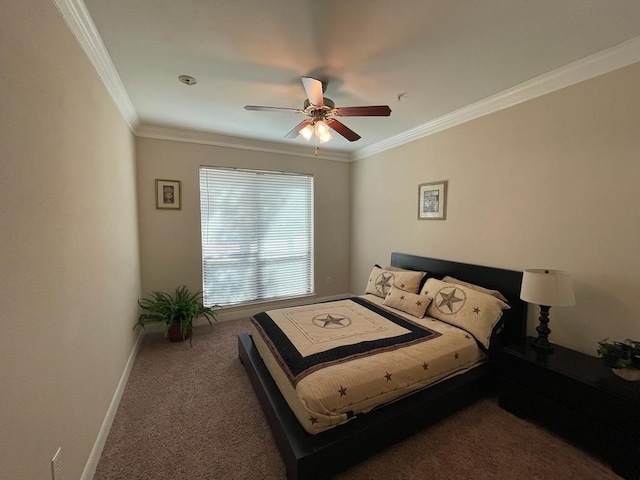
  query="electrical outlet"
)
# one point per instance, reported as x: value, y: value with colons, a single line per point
x: 328, y: 280
x: 56, y: 465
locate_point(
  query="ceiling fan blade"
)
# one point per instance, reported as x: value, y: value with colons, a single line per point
x: 343, y: 130
x: 259, y: 108
x: 371, y: 111
x: 296, y: 130
x: 313, y: 88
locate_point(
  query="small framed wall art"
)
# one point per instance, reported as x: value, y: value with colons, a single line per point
x: 168, y: 195
x: 432, y: 200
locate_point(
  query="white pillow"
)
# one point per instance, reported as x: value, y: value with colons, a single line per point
x: 463, y: 307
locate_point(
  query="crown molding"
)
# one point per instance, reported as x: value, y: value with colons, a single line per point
x: 204, y: 138
x: 77, y: 17
x: 80, y: 23
x: 589, y: 67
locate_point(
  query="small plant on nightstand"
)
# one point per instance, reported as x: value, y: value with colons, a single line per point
x: 622, y: 357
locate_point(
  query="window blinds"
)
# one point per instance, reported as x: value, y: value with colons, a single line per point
x: 257, y: 235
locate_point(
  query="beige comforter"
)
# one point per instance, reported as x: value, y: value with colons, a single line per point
x: 330, y: 394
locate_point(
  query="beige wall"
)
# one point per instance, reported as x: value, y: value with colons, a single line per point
x: 550, y: 183
x: 69, y: 258
x: 547, y: 183
x: 170, y: 239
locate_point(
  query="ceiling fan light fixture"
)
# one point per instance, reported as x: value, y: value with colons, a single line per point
x: 321, y: 128
x: 320, y: 112
x: 324, y: 137
x: 307, y: 132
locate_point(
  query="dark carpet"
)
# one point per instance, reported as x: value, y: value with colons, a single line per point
x: 191, y: 413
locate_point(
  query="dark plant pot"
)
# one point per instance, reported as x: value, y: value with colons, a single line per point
x: 175, y: 335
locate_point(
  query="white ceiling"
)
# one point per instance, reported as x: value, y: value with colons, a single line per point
x: 439, y: 56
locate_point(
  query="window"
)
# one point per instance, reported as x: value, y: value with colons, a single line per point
x: 257, y: 235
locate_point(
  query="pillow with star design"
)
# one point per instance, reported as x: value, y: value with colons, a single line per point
x: 410, y: 303
x: 463, y: 307
x: 398, y: 269
x: 381, y: 281
x: 493, y: 293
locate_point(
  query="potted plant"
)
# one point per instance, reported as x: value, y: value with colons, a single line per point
x: 175, y: 312
x: 622, y: 357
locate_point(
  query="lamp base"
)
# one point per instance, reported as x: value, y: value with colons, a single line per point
x: 542, y: 343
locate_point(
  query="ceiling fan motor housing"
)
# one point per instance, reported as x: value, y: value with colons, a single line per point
x: 328, y: 104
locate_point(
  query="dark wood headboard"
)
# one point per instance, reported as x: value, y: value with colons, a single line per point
x: 508, y: 282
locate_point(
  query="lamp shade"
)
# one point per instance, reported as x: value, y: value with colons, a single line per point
x: 552, y: 288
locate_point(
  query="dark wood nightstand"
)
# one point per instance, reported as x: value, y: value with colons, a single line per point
x: 578, y: 397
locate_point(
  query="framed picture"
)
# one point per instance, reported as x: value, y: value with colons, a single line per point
x: 168, y: 194
x: 432, y: 200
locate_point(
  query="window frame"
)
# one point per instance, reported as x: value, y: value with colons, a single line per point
x: 258, y: 253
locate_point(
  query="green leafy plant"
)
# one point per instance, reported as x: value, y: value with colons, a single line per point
x: 620, y: 354
x: 182, y: 307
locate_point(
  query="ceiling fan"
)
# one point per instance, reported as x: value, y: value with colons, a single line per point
x: 321, y: 112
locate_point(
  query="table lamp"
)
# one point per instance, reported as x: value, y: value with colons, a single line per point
x: 547, y: 288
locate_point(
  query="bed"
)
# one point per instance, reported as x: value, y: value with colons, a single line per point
x: 309, y: 454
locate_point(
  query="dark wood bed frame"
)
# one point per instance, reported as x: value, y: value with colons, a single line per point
x: 309, y: 457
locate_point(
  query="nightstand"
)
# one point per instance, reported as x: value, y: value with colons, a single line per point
x: 577, y: 396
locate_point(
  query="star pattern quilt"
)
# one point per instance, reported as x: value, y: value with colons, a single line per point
x: 336, y: 360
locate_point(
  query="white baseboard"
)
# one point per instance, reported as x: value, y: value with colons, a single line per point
x: 232, y: 314
x: 96, y: 451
